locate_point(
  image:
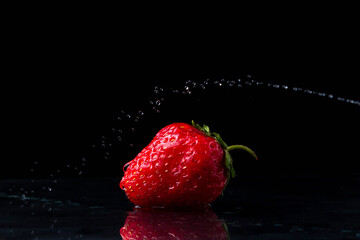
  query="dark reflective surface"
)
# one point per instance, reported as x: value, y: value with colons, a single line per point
x: 297, y: 207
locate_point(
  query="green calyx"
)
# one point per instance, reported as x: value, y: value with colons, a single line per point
x: 227, y: 149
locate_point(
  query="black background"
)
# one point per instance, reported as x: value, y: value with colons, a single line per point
x: 68, y: 78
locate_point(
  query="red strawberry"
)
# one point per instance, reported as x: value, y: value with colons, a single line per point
x: 150, y: 223
x: 183, y: 165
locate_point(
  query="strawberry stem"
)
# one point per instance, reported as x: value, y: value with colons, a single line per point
x: 242, y: 147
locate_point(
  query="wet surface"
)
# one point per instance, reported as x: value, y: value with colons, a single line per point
x: 296, y: 207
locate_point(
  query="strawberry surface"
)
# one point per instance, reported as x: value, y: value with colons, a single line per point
x: 183, y: 165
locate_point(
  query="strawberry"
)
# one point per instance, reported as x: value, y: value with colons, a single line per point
x: 150, y: 223
x: 182, y: 166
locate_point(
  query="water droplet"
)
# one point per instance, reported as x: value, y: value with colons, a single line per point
x: 49, y: 189
x: 158, y: 102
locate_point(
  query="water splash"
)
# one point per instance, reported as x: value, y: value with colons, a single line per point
x: 132, y: 120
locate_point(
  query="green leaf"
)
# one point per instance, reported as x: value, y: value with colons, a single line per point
x: 206, y: 129
x: 228, y: 160
x: 226, y: 230
x: 232, y: 172
x: 229, y: 164
x: 219, y: 140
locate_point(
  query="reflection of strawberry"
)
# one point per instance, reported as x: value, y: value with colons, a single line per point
x: 183, y: 165
x: 162, y: 224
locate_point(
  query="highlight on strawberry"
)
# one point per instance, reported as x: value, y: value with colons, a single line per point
x: 183, y: 166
